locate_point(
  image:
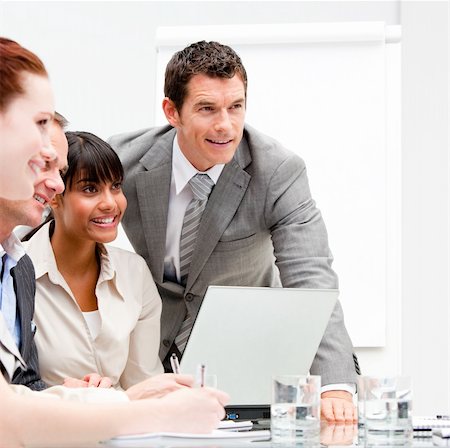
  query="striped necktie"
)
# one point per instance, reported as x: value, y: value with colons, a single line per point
x: 201, y: 186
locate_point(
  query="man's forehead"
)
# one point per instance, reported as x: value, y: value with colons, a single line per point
x: 207, y: 84
x: 61, y: 159
x: 59, y: 143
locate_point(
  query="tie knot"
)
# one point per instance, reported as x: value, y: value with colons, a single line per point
x: 201, y: 186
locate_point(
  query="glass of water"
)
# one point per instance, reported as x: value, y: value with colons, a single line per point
x: 387, y: 410
x: 295, y: 410
x: 361, y: 394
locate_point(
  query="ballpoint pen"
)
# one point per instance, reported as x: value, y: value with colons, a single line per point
x: 174, y: 363
x: 202, y: 375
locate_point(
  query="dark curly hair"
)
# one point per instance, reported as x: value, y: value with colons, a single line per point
x: 209, y: 58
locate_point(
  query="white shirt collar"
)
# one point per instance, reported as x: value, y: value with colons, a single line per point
x: 13, y: 247
x: 40, y: 250
x: 183, y: 170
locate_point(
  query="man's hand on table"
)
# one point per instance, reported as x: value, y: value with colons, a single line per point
x: 337, y: 407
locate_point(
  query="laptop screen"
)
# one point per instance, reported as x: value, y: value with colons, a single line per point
x: 246, y: 335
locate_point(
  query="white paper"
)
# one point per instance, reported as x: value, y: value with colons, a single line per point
x: 222, y: 435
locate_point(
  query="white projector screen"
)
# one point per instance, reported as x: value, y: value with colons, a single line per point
x: 331, y: 93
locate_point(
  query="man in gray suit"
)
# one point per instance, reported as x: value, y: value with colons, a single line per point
x: 259, y: 226
x: 29, y: 212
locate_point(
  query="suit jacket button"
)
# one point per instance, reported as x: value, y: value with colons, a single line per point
x: 166, y: 343
x: 189, y: 297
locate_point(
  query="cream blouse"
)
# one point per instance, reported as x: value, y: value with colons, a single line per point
x: 126, y: 347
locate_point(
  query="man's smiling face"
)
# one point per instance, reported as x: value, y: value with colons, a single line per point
x: 47, y: 185
x: 210, y: 123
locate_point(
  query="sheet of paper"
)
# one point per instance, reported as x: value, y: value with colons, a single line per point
x: 429, y: 423
x: 142, y: 440
x: 442, y: 432
x: 232, y: 425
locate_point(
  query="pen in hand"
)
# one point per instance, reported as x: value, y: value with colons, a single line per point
x: 174, y: 363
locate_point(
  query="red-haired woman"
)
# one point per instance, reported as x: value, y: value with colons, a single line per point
x: 26, y: 112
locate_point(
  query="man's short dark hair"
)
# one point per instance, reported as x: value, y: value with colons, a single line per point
x: 61, y: 120
x: 208, y: 58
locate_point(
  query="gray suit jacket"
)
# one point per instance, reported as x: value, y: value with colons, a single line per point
x: 260, y: 228
x: 25, y: 288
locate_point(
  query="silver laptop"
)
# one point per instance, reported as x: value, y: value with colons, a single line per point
x: 245, y: 335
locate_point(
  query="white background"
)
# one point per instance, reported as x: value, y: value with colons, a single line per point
x: 101, y: 59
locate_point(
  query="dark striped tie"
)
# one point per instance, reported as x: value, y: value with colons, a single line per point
x: 201, y: 186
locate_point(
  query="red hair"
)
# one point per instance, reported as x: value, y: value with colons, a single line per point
x: 14, y: 60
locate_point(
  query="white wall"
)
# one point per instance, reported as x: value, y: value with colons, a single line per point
x: 426, y: 203
x: 101, y: 59
x: 101, y: 55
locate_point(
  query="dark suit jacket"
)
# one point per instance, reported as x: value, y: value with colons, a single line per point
x: 25, y: 288
x: 260, y: 228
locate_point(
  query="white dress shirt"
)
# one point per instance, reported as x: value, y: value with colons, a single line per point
x: 127, y: 344
x: 94, y: 322
x: 13, y: 247
x: 11, y: 359
x: 179, y: 198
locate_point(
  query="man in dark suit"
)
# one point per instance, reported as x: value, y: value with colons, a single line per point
x: 212, y: 201
x: 22, y: 278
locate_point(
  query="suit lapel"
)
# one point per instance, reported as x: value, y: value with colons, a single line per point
x: 10, y: 358
x: 222, y: 205
x: 153, y: 188
x: 25, y: 304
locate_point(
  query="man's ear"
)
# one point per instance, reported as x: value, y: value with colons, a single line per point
x: 171, y: 112
x: 56, y: 201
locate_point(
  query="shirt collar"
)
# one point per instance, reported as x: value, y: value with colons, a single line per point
x: 40, y: 250
x: 13, y: 247
x: 183, y: 170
